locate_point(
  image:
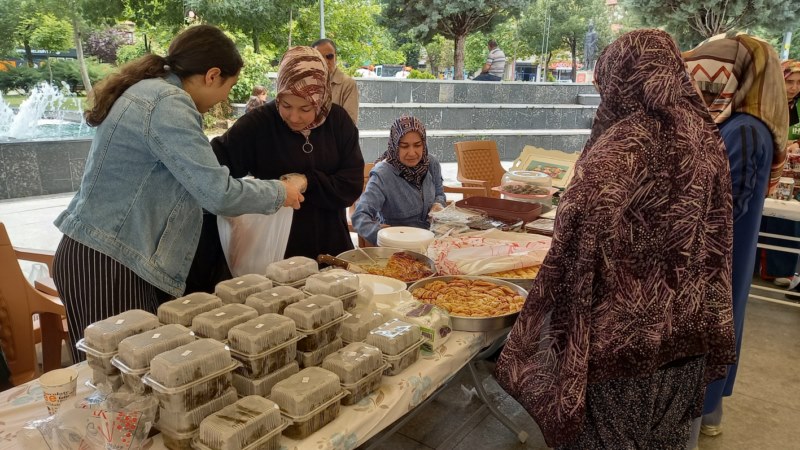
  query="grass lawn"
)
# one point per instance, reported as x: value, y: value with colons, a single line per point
x: 70, y: 104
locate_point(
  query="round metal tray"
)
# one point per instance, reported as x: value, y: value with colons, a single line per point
x: 461, y: 323
x: 382, y: 255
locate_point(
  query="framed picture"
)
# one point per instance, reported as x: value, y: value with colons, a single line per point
x: 559, y: 165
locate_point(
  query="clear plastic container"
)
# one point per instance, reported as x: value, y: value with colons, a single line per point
x: 262, y: 386
x: 356, y: 327
x: 314, y: 311
x: 97, y: 360
x: 261, y: 334
x: 334, y: 282
x: 136, y: 351
x: 105, y: 335
x: 189, y: 363
x: 365, y: 386
x: 190, y: 420
x: 132, y: 378
x: 274, y: 300
x: 114, y: 380
x: 191, y: 395
x: 258, y: 365
x: 517, y: 184
x: 269, y: 441
x: 303, y: 426
x: 292, y: 270
x: 315, y: 358
x: 305, y: 391
x: 182, y: 310
x: 394, y: 336
x: 241, y: 424
x: 353, y: 362
x: 237, y: 290
x: 178, y: 441
x: 322, y: 336
x: 216, y: 323
x: 399, y: 363
x: 434, y: 322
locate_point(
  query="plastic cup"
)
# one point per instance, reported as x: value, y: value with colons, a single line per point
x: 57, y: 386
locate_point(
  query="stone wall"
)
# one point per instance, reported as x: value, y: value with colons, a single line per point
x: 30, y: 168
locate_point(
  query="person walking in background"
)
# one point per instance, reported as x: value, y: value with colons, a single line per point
x: 344, y: 91
x: 749, y: 109
x: 495, y: 65
x: 630, y: 313
x: 791, y: 77
x: 131, y: 230
x: 405, y: 185
x: 258, y: 98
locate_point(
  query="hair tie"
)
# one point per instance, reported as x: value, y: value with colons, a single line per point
x: 167, y: 67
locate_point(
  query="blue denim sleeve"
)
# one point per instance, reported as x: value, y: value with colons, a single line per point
x: 176, y: 138
x: 438, y: 182
x: 365, y: 218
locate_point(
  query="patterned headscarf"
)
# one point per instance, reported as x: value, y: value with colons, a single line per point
x: 743, y: 74
x: 303, y: 72
x: 790, y: 66
x: 639, y: 271
x: 402, y: 126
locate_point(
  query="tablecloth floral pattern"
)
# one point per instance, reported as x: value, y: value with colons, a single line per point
x: 354, y: 426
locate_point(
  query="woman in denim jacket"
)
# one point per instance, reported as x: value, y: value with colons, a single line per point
x: 404, y: 187
x: 132, y: 229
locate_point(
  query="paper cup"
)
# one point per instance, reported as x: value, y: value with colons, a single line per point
x: 57, y: 386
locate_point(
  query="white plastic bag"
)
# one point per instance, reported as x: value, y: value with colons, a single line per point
x: 253, y: 241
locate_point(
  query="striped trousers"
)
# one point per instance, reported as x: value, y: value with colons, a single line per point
x: 94, y: 286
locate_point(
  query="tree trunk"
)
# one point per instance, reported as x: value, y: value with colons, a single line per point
x: 458, y: 56
x: 547, y: 64
x: 28, y: 52
x: 256, y: 48
x: 573, y: 44
x: 76, y: 34
x: 146, y: 43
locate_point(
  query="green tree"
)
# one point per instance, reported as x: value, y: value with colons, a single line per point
x: 692, y: 21
x: 440, y: 54
x: 453, y: 19
x: 568, y: 24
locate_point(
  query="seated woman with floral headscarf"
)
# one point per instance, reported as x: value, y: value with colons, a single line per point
x: 404, y: 187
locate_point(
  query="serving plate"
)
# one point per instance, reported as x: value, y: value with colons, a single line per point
x: 462, y: 323
x: 381, y: 255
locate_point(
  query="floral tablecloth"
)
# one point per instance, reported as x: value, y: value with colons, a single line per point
x: 354, y: 426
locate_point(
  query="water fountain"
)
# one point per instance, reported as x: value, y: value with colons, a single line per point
x: 43, y: 115
x: 43, y: 144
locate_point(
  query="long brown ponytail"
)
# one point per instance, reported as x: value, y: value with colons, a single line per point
x: 194, y: 51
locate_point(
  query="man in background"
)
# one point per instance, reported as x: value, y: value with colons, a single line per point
x: 343, y: 88
x: 495, y: 64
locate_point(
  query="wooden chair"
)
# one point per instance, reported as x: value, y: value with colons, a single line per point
x: 19, y: 301
x: 479, y: 167
x: 350, y: 210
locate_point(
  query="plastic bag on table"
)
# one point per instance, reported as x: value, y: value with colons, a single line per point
x: 253, y: 241
x: 487, y: 252
x: 120, y: 421
x: 453, y: 220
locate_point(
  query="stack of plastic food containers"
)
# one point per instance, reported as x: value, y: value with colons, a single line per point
x: 292, y: 271
x: 356, y: 327
x: 251, y: 423
x: 337, y: 283
x: 136, y: 352
x: 399, y: 342
x: 310, y: 399
x: 238, y: 289
x: 182, y: 310
x: 319, y: 318
x: 274, y: 300
x: 191, y: 382
x: 216, y: 323
x: 101, y: 341
x: 360, y: 369
x: 267, y: 347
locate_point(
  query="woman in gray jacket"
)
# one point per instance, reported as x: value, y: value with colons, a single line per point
x: 132, y: 229
x: 404, y: 187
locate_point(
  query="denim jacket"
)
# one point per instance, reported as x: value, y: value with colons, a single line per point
x: 149, y: 171
x: 391, y: 200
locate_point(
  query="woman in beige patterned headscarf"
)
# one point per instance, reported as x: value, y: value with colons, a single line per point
x: 302, y: 132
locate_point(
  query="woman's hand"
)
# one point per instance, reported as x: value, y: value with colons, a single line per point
x: 293, y: 195
x: 435, y: 208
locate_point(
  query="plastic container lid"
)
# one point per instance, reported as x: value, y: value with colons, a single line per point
x: 188, y: 363
x: 190, y: 420
x: 262, y: 386
x: 105, y: 335
x: 257, y: 444
x: 304, y: 392
x: 173, y: 390
x: 394, y: 336
x: 217, y: 322
x: 274, y: 300
x: 236, y: 290
x: 353, y: 362
x: 313, y: 312
x: 241, y: 424
x: 408, y: 238
x: 138, y: 350
x: 292, y: 270
x: 261, y: 334
x: 335, y: 282
x: 528, y: 177
x: 182, y: 310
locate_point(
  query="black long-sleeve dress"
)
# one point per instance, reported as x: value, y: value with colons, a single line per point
x: 262, y: 145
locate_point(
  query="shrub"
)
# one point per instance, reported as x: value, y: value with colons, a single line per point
x: 68, y: 71
x: 254, y: 72
x: 22, y: 78
x: 420, y: 75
